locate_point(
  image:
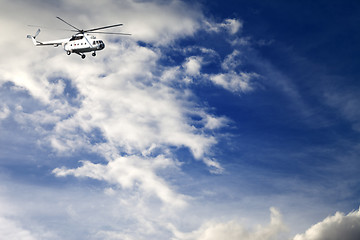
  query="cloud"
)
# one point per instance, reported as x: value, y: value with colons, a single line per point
x: 233, y: 230
x: 111, y: 235
x: 234, y: 82
x: 11, y: 230
x: 132, y: 109
x: 214, y: 166
x: 12, y: 224
x: 4, y: 111
x: 232, y: 78
x: 232, y: 26
x: 213, y: 122
x: 192, y: 66
x: 346, y: 102
x: 128, y: 172
x: 339, y: 226
x: 232, y: 61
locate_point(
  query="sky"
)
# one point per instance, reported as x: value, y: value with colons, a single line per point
x: 213, y: 120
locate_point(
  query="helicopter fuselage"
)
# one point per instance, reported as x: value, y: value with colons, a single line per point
x: 83, y: 43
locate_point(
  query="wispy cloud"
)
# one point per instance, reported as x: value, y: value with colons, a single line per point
x: 126, y: 172
x: 232, y: 26
x: 346, y: 103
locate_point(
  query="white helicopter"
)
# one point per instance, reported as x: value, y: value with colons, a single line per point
x: 79, y: 43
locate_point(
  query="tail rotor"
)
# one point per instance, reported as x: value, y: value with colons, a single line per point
x: 33, y: 37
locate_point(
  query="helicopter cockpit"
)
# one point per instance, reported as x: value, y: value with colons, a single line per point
x: 100, y: 43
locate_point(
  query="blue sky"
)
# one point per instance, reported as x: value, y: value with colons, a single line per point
x: 213, y: 120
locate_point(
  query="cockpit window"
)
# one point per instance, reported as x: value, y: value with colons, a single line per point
x: 97, y: 42
x: 76, y: 38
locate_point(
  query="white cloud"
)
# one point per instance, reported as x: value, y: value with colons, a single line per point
x: 234, y: 230
x: 339, y: 226
x: 232, y: 61
x: 4, y: 111
x: 241, y: 41
x: 12, y: 224
x: 192, y: 66
x: 11, y: 230
x: 111, y: 235
x: 213, y: 122
x: 234, y: 82
x: 232, y: 79
x: 214, y: 166
x: 231, y: 25
x: 128, y: 172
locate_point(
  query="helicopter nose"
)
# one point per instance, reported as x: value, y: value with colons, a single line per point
x: 102, y: 45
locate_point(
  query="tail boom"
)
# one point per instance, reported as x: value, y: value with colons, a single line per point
x: 54, y: 43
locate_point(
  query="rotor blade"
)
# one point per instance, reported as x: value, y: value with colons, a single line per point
x: 112, y: 33
x: 37, y: 33
x: 110, y: 26
x: 68, y: 24
x: 57, y: 29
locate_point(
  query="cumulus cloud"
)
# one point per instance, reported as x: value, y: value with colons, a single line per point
x: 339, y: 226
x: 234, y: 230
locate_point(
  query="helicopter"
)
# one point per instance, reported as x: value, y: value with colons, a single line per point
x: 80, y: 43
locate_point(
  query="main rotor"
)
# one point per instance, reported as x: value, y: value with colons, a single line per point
x: 94, y: 30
